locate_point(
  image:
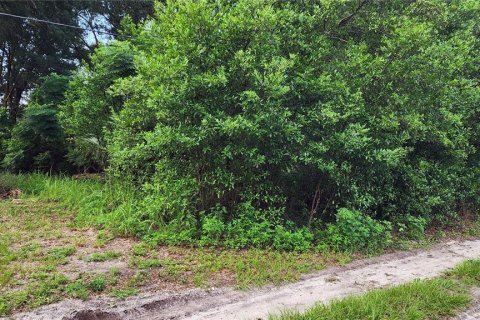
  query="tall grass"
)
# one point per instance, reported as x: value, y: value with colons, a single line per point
x: 106, y: 204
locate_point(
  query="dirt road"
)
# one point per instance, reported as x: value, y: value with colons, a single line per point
x: 223, y: 304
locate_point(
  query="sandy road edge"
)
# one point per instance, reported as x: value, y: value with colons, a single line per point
x: 221, y: 304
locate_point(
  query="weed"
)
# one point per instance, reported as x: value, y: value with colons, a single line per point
x: 98, y: 283
x: 468, y: 272
x: 137, y: 279
x: 146, y: 264
x: 199, y: 280
x: 5, y: 276
x: 124, y: 293
x: 103, y: 238
x: 104, y: 256
x: 77, y: 290
x: 141, y: 249
x: 60, y: 253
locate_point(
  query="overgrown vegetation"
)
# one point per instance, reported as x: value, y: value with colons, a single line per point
x: 44, y: 257
x: 438, y: 298
x: 89, y: 106
x: 270, y: 124
x: 110, y: 207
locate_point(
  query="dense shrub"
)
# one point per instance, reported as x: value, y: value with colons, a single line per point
x: 295, y: 110
x: 89, y: 106
x: 354, y: 231
x: 296, y: 240
x: 250, y: 123
x: 212, y: 231
x: 37, y: 141
x: 411, y: 227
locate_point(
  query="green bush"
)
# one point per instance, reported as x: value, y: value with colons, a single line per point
x: 250, y: 228
x: 288, y: 240
x: 261, y: 104
x: 212, y: 231
x: 241, y: 122
x: 411, y: 227
x: 354, y: 231
x: 37, y: 140
x: 89, y: 105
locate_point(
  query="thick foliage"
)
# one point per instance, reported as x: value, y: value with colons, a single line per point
x: 298, y: 108
x: 251, y: 123
x: 354, y: 231
x: 87, y: 112
x: 37, y: 141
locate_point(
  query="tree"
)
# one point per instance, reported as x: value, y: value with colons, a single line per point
x: 37, y: 141
x: 112, y: 14
x: 87, y: 112
x: 30, y: 50
x: 4, y: 132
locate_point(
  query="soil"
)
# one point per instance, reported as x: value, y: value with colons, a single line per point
x: 332, y: 283
x: 472, y: 313
x: 7, y: 193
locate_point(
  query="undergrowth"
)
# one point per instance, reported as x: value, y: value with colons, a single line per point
x: 115, y: 206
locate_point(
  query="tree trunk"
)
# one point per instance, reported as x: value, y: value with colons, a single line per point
x: 16, y: 100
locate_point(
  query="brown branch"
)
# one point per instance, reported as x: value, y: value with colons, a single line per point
x: 335, y: 37
x: 345, y: 20
x: 315, y: 203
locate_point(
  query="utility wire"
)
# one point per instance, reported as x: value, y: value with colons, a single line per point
x: 57, y: 24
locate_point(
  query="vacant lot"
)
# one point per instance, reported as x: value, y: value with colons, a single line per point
x: 45, y: 258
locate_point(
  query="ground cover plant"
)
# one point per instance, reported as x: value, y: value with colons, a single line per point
x: 438, y: 298
x: 47, y: 255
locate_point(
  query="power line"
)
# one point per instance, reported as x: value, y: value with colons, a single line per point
x: 57, y: 24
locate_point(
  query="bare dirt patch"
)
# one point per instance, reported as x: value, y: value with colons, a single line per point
x: 7, y: 193
x: 357, y: 277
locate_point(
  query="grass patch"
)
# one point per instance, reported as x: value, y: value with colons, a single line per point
x: 60, y: 253
x: 47, y: 290
x: 124, y: 293
x: 37, y: 239
x: 257, y: 267
x: 146, y: 263
x: 438, y: 298
x: 98, y: 283
x: 103, y: 256
x: 467, y: 272
x: 49, y: 228
x: 430, y: 299
x: 93, y: 201
x: 77, y: 290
